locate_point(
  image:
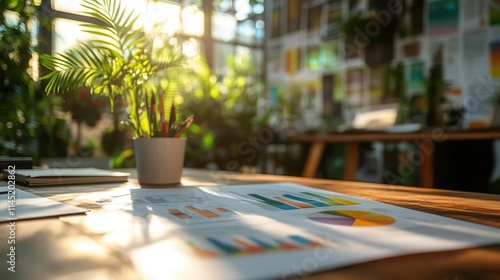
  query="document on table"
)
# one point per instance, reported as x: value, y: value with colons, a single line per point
x: 67, y: 176
x: 17, y: 204
x: 283, y: 229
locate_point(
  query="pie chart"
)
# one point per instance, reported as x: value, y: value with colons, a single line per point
x: 354, y: 218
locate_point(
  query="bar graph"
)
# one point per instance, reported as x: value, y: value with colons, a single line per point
x: 275, y: 201
x: 178, y: 214
x: 190, y: 212
x: 138, y: 201
x: 295, y: 203
x: 166, y: 198
x: 205, y: 213
x: 155, y: 200
x: 308, y: 201
x: 227, y: 246
x: 332, y: 201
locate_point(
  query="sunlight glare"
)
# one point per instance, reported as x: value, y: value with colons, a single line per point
x: 224, y: 27
x: 193, y: 21
x: 162, y: 16
x: 67, y: 33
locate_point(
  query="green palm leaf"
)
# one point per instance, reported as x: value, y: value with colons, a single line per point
x: 119, y: 59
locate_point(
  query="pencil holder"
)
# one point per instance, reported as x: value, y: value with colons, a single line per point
x: 159, y: 160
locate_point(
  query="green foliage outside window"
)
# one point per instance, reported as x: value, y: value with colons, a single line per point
x: 24, y: 112
x: 226, y: 120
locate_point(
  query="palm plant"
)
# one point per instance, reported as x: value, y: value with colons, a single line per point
x: 119, y: 61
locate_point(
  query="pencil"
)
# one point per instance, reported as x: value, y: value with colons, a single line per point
x: 163, y: 123
x: 185, y: 125
x: 171, y: 120
x: 153, y: 113
x: 148, y: 113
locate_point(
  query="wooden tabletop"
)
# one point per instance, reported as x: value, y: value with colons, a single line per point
x: 57, y: 248
x: 425, y: 138
x: 436, y: 134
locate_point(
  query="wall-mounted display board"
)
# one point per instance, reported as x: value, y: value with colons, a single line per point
x: 380, y: 52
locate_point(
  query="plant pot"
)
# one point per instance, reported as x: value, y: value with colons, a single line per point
x: 159, y: 161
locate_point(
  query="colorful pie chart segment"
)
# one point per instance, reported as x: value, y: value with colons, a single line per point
x: 352, y: 218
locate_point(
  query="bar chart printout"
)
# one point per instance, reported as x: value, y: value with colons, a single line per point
x: 240, y: 245
x: 277, y: 225
x: 292, y: 201
x: 192, y: 212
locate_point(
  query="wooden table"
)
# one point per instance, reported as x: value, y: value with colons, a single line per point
x: 54, y: 248
x: 424, y: 139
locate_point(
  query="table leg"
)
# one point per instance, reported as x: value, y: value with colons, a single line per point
x: 313, y: 159
x: 351, y: 163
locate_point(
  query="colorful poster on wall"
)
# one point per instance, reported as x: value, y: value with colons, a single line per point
x: 442, y: 17
x: 415, y: 78
x: 495, y: 59
x: 275, y: 93
x: 292, y: 60
x: 494, y: 12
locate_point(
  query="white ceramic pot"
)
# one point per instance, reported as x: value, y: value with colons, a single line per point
x: 159, y: 160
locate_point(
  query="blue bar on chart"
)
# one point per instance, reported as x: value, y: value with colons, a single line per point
x: 308, y: 201
x: 335, y: 201
x: 225, y: 248
x: 294, y: 203
x: 155, y: 200
x: 261, y: 243
x: 274, y: 203
x: 305, y: 241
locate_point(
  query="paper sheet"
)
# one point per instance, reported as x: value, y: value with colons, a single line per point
x: 22, y: 205
x: 283, y: 229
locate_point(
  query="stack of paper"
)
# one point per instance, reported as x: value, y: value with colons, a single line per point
x: 67, y: 176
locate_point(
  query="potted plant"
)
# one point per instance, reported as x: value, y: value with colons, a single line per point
x: 126, y: 63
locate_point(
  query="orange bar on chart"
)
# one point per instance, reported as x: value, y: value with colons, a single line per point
x: 202, y: 252
x: 285, y: 246
x: 205, y: 213
x: 179, y: 214
x: 248, y: 247
x: 294, y: 203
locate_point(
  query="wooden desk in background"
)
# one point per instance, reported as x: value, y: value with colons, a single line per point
x: 425, y: 139
x: 56, y: 248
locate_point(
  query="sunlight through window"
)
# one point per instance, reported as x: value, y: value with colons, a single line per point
x: 67, y: 33
x: 192, y: 21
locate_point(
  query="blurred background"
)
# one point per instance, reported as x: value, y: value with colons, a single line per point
x: 267, y: 70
